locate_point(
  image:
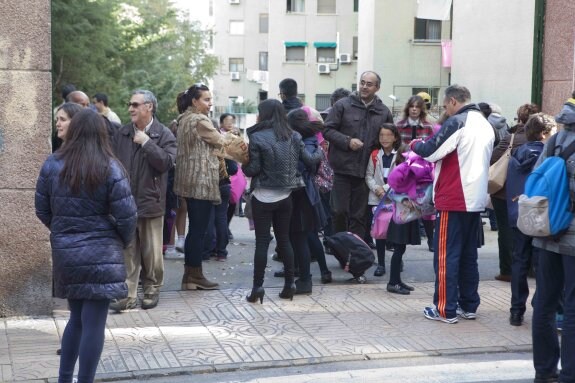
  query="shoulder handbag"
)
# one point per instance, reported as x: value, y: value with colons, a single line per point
x: 498, y: 171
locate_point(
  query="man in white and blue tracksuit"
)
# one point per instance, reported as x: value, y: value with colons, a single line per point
x: 461, y: 150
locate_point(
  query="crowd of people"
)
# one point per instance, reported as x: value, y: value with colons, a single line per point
x: 115, y: 199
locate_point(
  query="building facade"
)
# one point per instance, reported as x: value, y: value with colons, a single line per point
x: 259, y: 43
x: 495, y: 64
x: 406, y: 51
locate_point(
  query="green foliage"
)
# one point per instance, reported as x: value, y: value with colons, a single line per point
x: 115, y: 47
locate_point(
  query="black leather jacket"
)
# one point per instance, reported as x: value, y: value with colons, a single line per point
x: 273, y: 163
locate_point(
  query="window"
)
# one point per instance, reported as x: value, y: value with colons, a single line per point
x: 354, y: 44
x: 236, y: 64
x: 353, y: 87
x: 355, y: 5
x: 325, y: 55
x: 236, y: 27
x: 263, y: 60
x: 264, y: 23
x: 301, y: 97
x: 326, y: 6
x: 295, y: 54
x: 295, y: 6
x: 427, y: 30
x: 322, y: 101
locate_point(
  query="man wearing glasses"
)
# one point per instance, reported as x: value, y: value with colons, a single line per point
x: 352, y: 129
x: 147, y: 149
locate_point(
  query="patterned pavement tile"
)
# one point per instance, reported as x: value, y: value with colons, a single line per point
x: 38, y: 370
x: 188, y: 337
x: 5, y: 372
x: 202, y: 356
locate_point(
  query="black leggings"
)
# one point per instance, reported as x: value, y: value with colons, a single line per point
x: 264, y: 215
x: 83, y: 338
x: 395, y: 272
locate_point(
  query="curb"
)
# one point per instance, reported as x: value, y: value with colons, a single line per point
x: 231, y: 367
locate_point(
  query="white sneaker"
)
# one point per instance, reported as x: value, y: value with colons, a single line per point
x: 173, y: 254
x: 180, y: 244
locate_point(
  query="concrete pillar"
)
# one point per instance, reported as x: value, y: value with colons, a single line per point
x: 558, y: 55
x: 25, y: 126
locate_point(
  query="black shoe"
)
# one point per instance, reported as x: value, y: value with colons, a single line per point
x: 303, y: 287
x: 397, y: 289
x: 546, y: 378
x: 328, y: 250
x: 276, y: 257
x: 288, y: 291
x: 516, y: 319
x: 326, y: 277
x: 313, y: 259
x: 430, y: 246
x: 407, y: 287
x: 379, y: 271
x: 371, y: 245
x: 257, y: 293
x: 281, y: 273
x: 150, y: 301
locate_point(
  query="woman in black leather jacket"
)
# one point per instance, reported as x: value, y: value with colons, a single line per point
x: 274, y: 152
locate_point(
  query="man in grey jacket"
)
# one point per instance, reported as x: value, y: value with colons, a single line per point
x: 352, y: 129
x: 147, y: 149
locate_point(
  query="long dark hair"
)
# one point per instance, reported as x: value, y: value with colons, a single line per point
x: 299, y: 121
x: 420, y: 103
x: 87, y: 153
x: 273, y: 111
x: 184, y: 99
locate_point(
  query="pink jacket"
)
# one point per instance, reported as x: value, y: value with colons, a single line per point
x: 413, y: 172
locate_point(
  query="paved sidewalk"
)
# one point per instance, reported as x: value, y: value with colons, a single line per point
x: 206, y: 331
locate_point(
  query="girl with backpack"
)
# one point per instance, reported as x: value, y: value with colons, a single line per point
x: 382, y: 161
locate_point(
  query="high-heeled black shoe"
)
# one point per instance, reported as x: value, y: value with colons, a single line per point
x: 288, y: 292
x: 257, y: 293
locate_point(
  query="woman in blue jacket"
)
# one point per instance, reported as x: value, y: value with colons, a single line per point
x: 83, y: 196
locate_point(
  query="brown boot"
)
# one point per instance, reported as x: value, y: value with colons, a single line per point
x: 195, y: 280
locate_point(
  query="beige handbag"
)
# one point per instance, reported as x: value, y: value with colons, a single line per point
x: 234, y: 148
x: 498, y: 171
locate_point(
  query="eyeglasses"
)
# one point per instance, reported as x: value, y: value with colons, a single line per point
x: 136, y: 104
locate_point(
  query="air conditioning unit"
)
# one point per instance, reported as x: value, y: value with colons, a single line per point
x: 323, y: 68
x: 234, y: 1
x: 345, y: 58
x: 234, y: 76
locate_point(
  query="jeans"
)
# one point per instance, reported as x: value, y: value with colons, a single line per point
x: 522, y: 253
x: 198, y: 217
x: 83, y: 338
x: 555, y: 275
x: 277, y: 214
x: 218, y: 226
x: 348, y: 202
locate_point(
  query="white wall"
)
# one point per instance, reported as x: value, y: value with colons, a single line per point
x: 493, y: 51
x: 386, y: 34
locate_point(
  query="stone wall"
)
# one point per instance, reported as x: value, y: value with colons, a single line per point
x: 25, y: 125
x: 558, y: 54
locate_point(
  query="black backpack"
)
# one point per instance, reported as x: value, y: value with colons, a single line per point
x: 353, y: 254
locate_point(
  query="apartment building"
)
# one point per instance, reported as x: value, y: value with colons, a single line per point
x: 240, y: 42
x: 402, y: 41
x: 259, y: 43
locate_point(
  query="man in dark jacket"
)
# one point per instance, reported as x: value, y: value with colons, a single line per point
x: 147, y: 149
x: 288, y: 94
x: 352, y: 129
